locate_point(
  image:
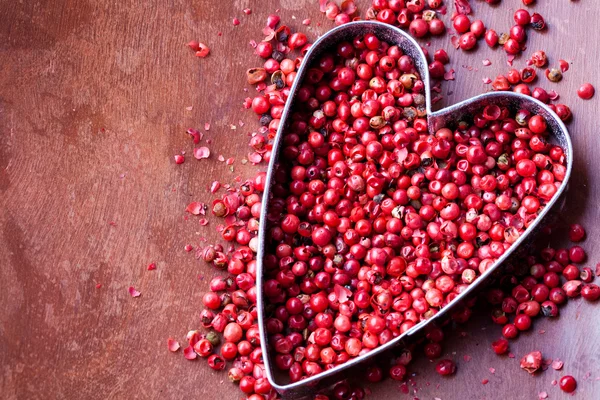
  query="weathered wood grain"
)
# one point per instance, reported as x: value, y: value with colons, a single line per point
x: 94, y: 99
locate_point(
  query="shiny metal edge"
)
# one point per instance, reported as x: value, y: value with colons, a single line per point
x: 435, y: 119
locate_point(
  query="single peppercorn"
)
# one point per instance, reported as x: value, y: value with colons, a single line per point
x: 576, y: 233
x: 522, y: 17
x: 567, y: 384
x: 590, y: 292
x: 586, y: 91
x: 532, y: 362
x: 445, y: 367
x: 500, y: 346
x: 537, y: 22
x: 491, y: 38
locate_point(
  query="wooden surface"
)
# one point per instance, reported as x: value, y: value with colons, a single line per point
x: 94, y: 99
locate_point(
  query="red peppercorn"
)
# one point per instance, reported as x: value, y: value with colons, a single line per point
x: 549, y: 309
x: 577, y: 254
x: 246, y: 384
x: 557, y: 296
x: 513, y: 76
x: 567, y: 384
x: 216, y: 362
x: 563, y: 112
x: 500, y: 346
x: 297, y: 40
x: 522, y: 322
x: 260, y: 105
x: 500, y: 83
x: 203, y: 348
x: 590, y: 292
x: 529, y: 308
x: 442, y: 56
x: 572, y: 288
x: 491, y: 38
x: 539, y: 59
x: 512, y: 46
x: 467, y: 41
x: 418, y: 28
x: 523, y: 89
x: 461, y: 23
x: 398, y: 372
x: 522, y: 17
x: 445, y: 367
x: 537, y: 22
x: 510, y: 331
x: 586, y: 91
x: 211, y: 300
x: 262, y: 386
x: 532, y: 362
x: 433, y: 350
x: 528, y: 75
x: 478, y: 28
x: 518, y: 33
x: 436, y: 27
x: 436, y: 70
x: 228, y: 351
x: 374, y: 374
x: 576, y: 233
x: 570, y: 272
x: 264, y: 49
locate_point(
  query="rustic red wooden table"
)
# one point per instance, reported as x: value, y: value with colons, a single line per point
x: 95, y: 98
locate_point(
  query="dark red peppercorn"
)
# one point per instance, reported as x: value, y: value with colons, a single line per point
x: 549, y: 309
x: 374, y: 374
x: 445, y: 367
x: 577, y: 254
x: 398, y: 372
x: 432, y: 350
x: 576, y: 233
x: 537, y: 22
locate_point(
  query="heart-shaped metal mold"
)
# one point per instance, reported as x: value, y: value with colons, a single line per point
x: 436, y: 120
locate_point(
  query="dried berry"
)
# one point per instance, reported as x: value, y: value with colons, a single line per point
x: 554, y: 74
x: 532, y: 362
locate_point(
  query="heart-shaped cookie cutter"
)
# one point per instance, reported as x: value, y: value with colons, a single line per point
x: 436, y: 120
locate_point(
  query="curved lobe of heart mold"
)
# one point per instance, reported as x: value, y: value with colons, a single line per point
x: 436, y: 120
